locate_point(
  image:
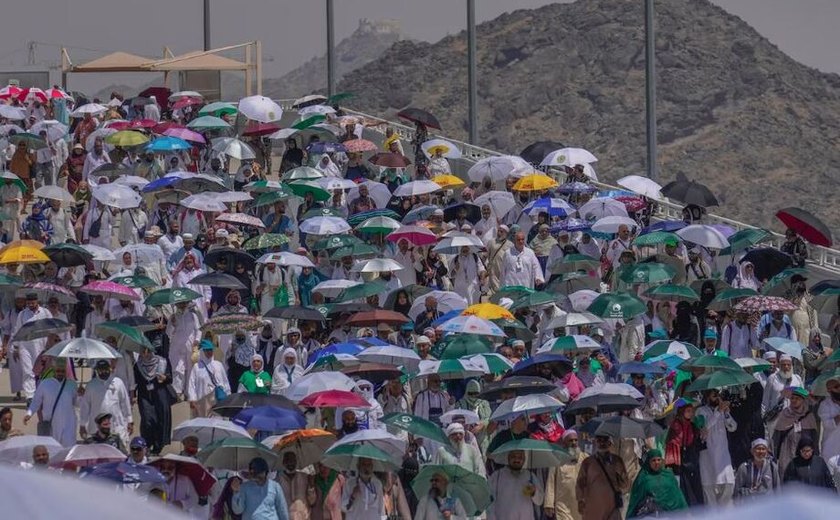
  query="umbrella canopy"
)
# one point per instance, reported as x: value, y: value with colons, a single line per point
x: 15, y: 450
x: 116, y: 196
x: 108, y: 289
x: 473, y: 325
x: 532, y: 365
x: 780, y: 285
x: 54, y: 193
x: 82, y: 455
x: 124, y: 473
x: 768, y: 262
x: 235, y: 454
x: 200, y: 477
x: 416, y: 426
x: 469, y: 488
x: 745, y: 238
x: 722, y: 378
x: 535, y: 152
x: 230, y: 323
x: 526, y: 404
x: 655, y: 238
x: 570, y: 344
x: 490, y: 363
x: 318, y: 382
x: 270, y: 419
x: 347, y: 456
x: 391, y: 160
x: 690, y: 192
x: 416, y: 235
x: 647, y: 273
x: 171, y: 296
x: 610, y: 224
x: 245, y: 400
x: 334, y: 399
x: 617, y: 306
x: 307, y: 445
x: 569, y: 157
x: 68, y: 255
x: 217, y: 279
x: 603, y: 403
x: 641, y: 185
x: 765, y: 303
x: 620, y: 427
x: 459, y: 345
x: 534, y: 183
x: 260, y: 108
x: 208, y: 123
x: 390, y: 355
x: 680, y: 348
x: 672, y: 293
x: 379, y: 438
x: 415, y: 188
x: 786, y: 346
x: 538, y: 454
x: 129, y: 337
x: 728, y: 298
x: 806, y: 225
x: 233, y: 147
x: 41, y: 328
x: 324, y: 226
x: 573, y: 319
x: 518, y: 385
x: 83, y: 348
x: 449, y: 369
x: 418, y: 115
x: 377, y: 265
x: 703, y: 235
x: 23, y: 255
x: 709, y: 361
x: 638, y: 367
x: 295, y: 312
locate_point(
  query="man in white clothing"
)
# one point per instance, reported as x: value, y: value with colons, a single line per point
x: 468, y: 274
x: 171, y: 241
x: 205, y: 376
x: 619, y: 245
x: 777, y: 389
x: 406, y: 258
x: 520, y: 266
x: 829, y: 412
x: 96, y: 158
x: 739, y: 338
x: 56, y: 399
x: 632, y: 336
x: 152, y: 110
x: 716, y: 473
x: 106, y: 394
x: 184, y: 332
x: 286, y: 372
x: 28, y: 351
x: 516, y: 491
x: 62, y: 224
x: 362, y: 497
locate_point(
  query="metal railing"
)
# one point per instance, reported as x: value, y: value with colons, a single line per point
x: 824, y: 258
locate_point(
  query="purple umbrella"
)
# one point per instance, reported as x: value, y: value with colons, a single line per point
x: 185, y: 134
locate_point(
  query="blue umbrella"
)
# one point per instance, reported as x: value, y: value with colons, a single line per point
x: 160, y: 184
x: 637, y: 367
x: 446, y: 317
x: 168, y: 144
x: 336, y: 348
x: 125, y: 473
x: 322, y: 147
x: 611, y: 194
x: 665, y: 225
x: 529, y: 366
x: 572, y: 224
x: 270, y: 419
x: 671, y: 361
x: 786, y: 346
x: 554, y: 207
x: 421, y: 213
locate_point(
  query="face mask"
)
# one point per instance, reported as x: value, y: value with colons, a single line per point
x: 103, y: 375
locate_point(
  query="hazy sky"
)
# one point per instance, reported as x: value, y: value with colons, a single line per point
x: 292, y: 30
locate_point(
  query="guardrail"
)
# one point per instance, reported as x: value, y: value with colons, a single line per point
x: 820, y: 257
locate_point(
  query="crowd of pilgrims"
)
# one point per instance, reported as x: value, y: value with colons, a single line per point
x: 716, y: 447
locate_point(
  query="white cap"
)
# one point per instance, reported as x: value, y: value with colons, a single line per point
x: 770, y: 355
x: 759, y: 442
x: 785, y: 357
x: 454, y: 428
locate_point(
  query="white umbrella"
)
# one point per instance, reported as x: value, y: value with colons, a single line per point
x: 703, y: 235
x: 378, y: 223
x: 453, y: 243
x: 83, y: 348
x: 446, y: 301
x: 13, y: 113
x: 149, y: 253
x: 55, y: 129
x: 612, y: 223
x: 377, y: 265
x: 601, y: 207
x: 526, y: 404
x: 324, y: 226
x: 581, y: 300
x: 316, y: 110
x: 285, y: 259
x: 497, y: 167
x: 414, y: 188
x: 450, y: 151
x: 54, y: 193
x: 318, y: 382
x: 114, y: 195
x: 380, y: 438
x: 60, y: 496
x: 611, y: 389
x: 208, y: 430
x: 233, y: 147
x: 641, y: 185
x: 233, y: 196
x: 390, y: 355
x: 90, y: 108
x: 501, y: 202
x: 332, y: 183
x: 332, y: 288
x: 99, y: 133
x: 473, y: 325
x: 132, y: 181
x: 19, y: 449
x: 81, y: 455
x: 203, y: 202
x: 573, y: 319
x: 449, y: 369
x: 377, y: 191
x: 260, y: 108
x: 6, y: 129
x: 100, y: 253
x: 568, y: 157
x: 185, y: 93
x: 310, y: 99
x: 469, y: 416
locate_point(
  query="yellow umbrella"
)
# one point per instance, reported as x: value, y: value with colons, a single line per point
x: 23, y: 255
x: 535, y: 183
x: 447, y: 181
x: 488, y: 311
x: 22, y: 242
x: 126, y: 138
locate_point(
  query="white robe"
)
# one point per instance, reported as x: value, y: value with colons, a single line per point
x: 184, y: 332
x: 106, y: 226
x: 29, y: 350
x: 521, y: 268
x: 62, y: 225
x: 407, y: 275
x: 827, y: 411
x: 427, y: 509
x: 369, y: 505
x: 715, y: 462
x: 509, y: 499
x: 200, y: 384
x: 465, y: 272
x: 64, y: 419
x: 284, y: 376
x: 111, y: 397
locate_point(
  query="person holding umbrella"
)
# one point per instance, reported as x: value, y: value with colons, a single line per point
x: 362, y: 497
x: 438, y: 502
x: 55, y: 403
x: 516, y: 491
x: 259, y: 498
x: 180, y: 490
x: 208, y: 382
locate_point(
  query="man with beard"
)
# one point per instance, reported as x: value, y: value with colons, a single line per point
x: 776, y: 391
x: 28, y: 351
x: 432, y: 402
x: 180, y: 491
x: 299, y: 494
x: 771, y: 357
x: 516, y: 491
x: 268, y: 344
x: 205, y: 378
x: 458, y: 452
x: 106, y: 394
x: 560, y: 485
x: 104, y: 435
x: 739, y: 339
x: 716, y: 472
x: 601, y: 483
x: 362, y: 497
x: 96, y: 158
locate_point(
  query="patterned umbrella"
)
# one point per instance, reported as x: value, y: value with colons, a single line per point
x: 48, y: 290
x: 230, y: 323
x: 358, y: 218
x: 240, y: 219
x: 109, y: 289
x: 360, y: 145
x: 765, y: 303
x: 265, y: 241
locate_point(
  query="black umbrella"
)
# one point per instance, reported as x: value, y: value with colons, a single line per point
x: 689, y: 192
x: 111, y: 171
x: 806, y: 225
x: 621, y: 427
x: 340, y: 308
x: 295, y: 312
x: 376, y: 373
x: 534, y: 153
x: 235, y: 403
x: 768, y: 262
x: 68, y: 255
x: 450, y: 213
x: 819, y: 287
x: 230, y: 257
x: 218, y: 279
x: 519, y: 385
x: 138, y: 322
x: 418, y: 115
x: 603, y: 403
x: 531, y: 366
x: 41, y: 329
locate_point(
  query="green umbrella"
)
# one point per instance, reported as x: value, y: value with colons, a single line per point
x: 818, y: 387
x: 357, y: 250
x: 334, y: 363
x: 14, y: 179
x: 208, y: 123
x: 672, y: 293
x: 573, y: 282
x: 266, y: 186
x: 617, y: 305
x: 727, y: 299
x: 723, y: 378
x: 496, y: 363
x: 218, y: 108
x: 335, y: 98
x: 656, y: 238
x: 361, y: 291
x: 459, y: 345
x: 378, y: 225
x: 336, y: 241
x: 648, y: 272
x: 514, y: 292
x: 416, y: 426
x: 710, y: 361
x: 35, y: 142
x: 302, y: 173
x: 9, y: 280
x: 470, y: 488
x: 575, y: 262
x: 540, y: 454
x: 135, y: 281
x: 266, y: 241
x: 657, y: 348
x: 309, y: 121
x: 301, y: 190
x: 779, y: 285
x: 171, y: 296
x: 128, y: 337
x: 519, y: 329
x: 269, y: 198
x: 346, y: 456
x: 826, y: 300
x: 322, y: 212
x: 358, y: 218
x: 745, y: 238
x: 534, y: 300
x: 235, y: 453
x: 5, y: 216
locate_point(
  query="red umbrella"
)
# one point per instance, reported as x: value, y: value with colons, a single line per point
x: 632, y: 204
x: 256, y: 128
x: 10, y: 91
x: 417, y: 235
x: 56, y: 93
x: 140, y: 124
x: 83, y: 455
x: 120, y: 125
x: 765, y: 303
x: 187, y: 101
x: 372, y: 318
x: 202, y: 479
x: 334, y: 399
x: 32, y: 93
x: 806, y: 225
x: 390, y: 160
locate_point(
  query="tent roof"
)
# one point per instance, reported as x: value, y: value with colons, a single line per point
x: 114, y: 62
x: 196, y: 61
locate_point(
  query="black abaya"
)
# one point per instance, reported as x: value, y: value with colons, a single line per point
x: 155, y: 405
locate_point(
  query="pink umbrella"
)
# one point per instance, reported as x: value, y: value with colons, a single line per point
x: 139, y: 124
x: 187, y: 101
x: 185, y: 134
x: 762, y: 303
x: 10, y: 91
x: 109, y: 289
x: 360, y: 145
x: 631, y: 203
x: 83, y: 455
x: 241, y: 219
x: 56, y: 93
x: 417, y: 235
x: 47, y: 290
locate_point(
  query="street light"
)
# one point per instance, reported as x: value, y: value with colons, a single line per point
x: 650, y: 90
x: 472, y: 86
x: 206, y: 25
x: 330, y: 49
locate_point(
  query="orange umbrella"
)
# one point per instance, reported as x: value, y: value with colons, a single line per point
x: 307, y: 445
x: 23, y: 255
x: 534, y: 183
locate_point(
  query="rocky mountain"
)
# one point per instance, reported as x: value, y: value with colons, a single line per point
x: 365, y: 44
x: 734, y: 112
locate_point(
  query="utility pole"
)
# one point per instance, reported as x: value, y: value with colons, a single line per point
x: 207, y: 25
x: 471, y: 73
x: 650, y: 90
x: 330, y: 48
